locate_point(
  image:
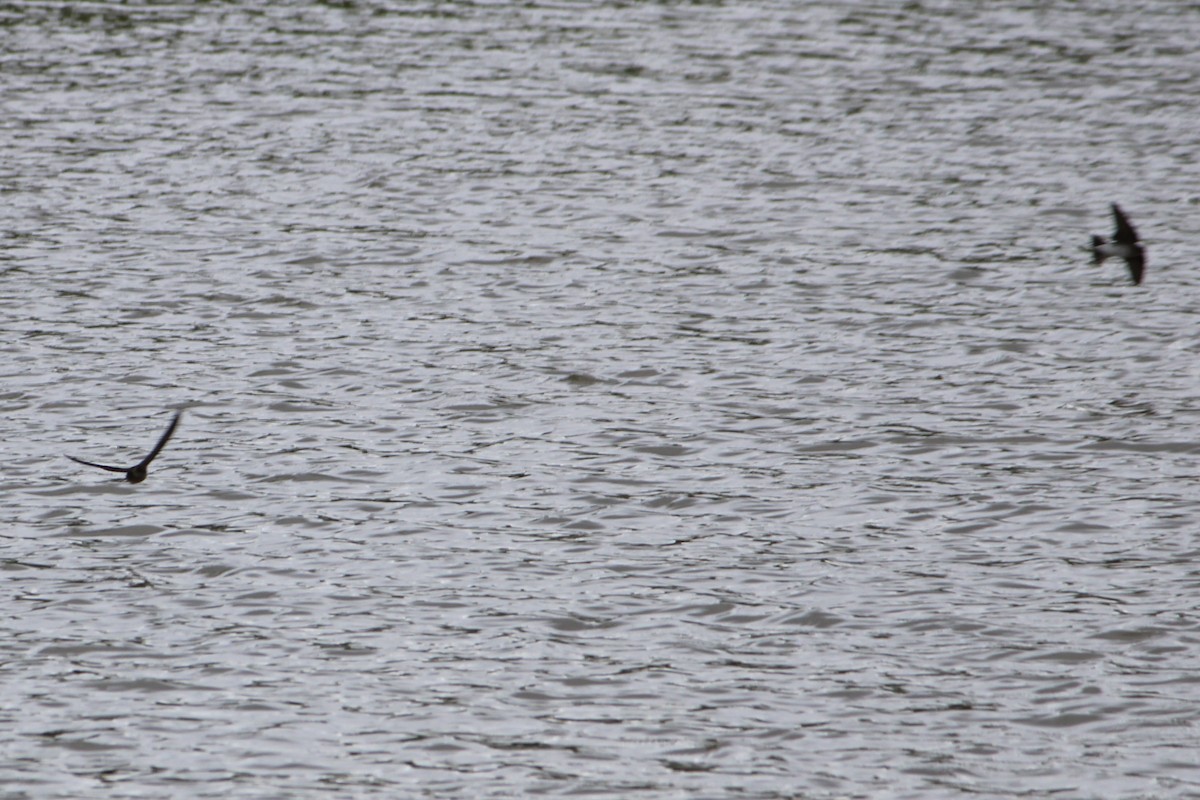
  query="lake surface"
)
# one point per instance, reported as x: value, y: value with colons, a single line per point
x: 626, y: 399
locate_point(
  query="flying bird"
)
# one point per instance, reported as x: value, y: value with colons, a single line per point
x: 137, y: 473
x: 1124, y: 244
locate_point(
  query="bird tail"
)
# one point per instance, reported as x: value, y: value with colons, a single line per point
x: 1098, y: 255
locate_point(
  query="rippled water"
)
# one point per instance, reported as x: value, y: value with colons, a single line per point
x: 632, y: 400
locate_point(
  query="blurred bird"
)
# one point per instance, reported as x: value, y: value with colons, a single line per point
x: 137, y: 473
x: 1124, y: 244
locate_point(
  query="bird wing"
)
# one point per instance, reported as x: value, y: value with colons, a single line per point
x: 1125, y: 233
x: 101, y: 466
x: 1137, y: 265
x: 162, y: 441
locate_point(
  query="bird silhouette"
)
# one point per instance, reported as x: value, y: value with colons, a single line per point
x: 137, y: 473
x: 1124, y: 244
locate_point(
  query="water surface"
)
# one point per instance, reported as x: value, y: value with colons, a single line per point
x: 634, y: 400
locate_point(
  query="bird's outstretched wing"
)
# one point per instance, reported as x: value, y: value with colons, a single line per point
x: 1137, y: 265
x: 162, y: 442
x: 1125, y: 232
x: 101, y: 466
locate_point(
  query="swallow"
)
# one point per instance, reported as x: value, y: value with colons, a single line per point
x: 1124, y: 244
x: 137, y: 473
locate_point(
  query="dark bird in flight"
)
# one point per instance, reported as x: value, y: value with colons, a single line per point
x: 137, y: 473
x: 1124, y: 244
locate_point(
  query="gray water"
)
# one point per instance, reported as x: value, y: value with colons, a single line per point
x: 622, y: 400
